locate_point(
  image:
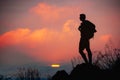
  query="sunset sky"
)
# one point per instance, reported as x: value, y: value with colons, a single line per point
x: 44, y: 32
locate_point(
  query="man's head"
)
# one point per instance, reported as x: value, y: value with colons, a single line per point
x: 82, y: 17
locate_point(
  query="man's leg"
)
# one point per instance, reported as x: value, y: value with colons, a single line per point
x: 89, y: 53
x: 81, y: 48
x: 83, y: 55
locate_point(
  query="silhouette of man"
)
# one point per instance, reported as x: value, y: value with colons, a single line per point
x: 84, y: 43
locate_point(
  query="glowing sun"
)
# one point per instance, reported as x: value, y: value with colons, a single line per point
x: 55, y: 65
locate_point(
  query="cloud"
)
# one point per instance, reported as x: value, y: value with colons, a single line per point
x: 60, y: 41
x: 13, y: 37
x: 106, y: 37
x: 111, y: 3
x: 46, y: 11
x: 52, y: 12
x: 43, y: 44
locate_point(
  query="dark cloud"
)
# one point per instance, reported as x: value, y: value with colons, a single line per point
x: 12, y: 6
x: 113, y: 4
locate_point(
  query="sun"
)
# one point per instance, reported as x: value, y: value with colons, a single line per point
x: 55, y: 65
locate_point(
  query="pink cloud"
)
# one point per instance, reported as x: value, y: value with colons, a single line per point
x: 52, y: 12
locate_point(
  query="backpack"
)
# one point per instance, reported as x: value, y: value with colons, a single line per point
x: 91, y: 29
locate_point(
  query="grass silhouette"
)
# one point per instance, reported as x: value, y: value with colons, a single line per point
x: 28, y: 74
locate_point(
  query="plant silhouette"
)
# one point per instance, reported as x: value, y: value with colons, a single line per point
x: 87, y: 30
x: 96, y: 71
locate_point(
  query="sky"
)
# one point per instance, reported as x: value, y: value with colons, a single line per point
x: 44, y: 32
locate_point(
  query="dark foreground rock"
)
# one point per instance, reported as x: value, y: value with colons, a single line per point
x: 85, y: 72
x: 88, y: 72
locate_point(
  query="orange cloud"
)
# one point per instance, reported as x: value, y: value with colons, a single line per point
x: 43, y: 44
x: 13, y: 37
x: 26, y: 35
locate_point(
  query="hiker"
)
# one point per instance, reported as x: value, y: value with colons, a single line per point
x: 87, y: 30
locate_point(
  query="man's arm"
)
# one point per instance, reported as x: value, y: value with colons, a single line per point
x: 79, y: 28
